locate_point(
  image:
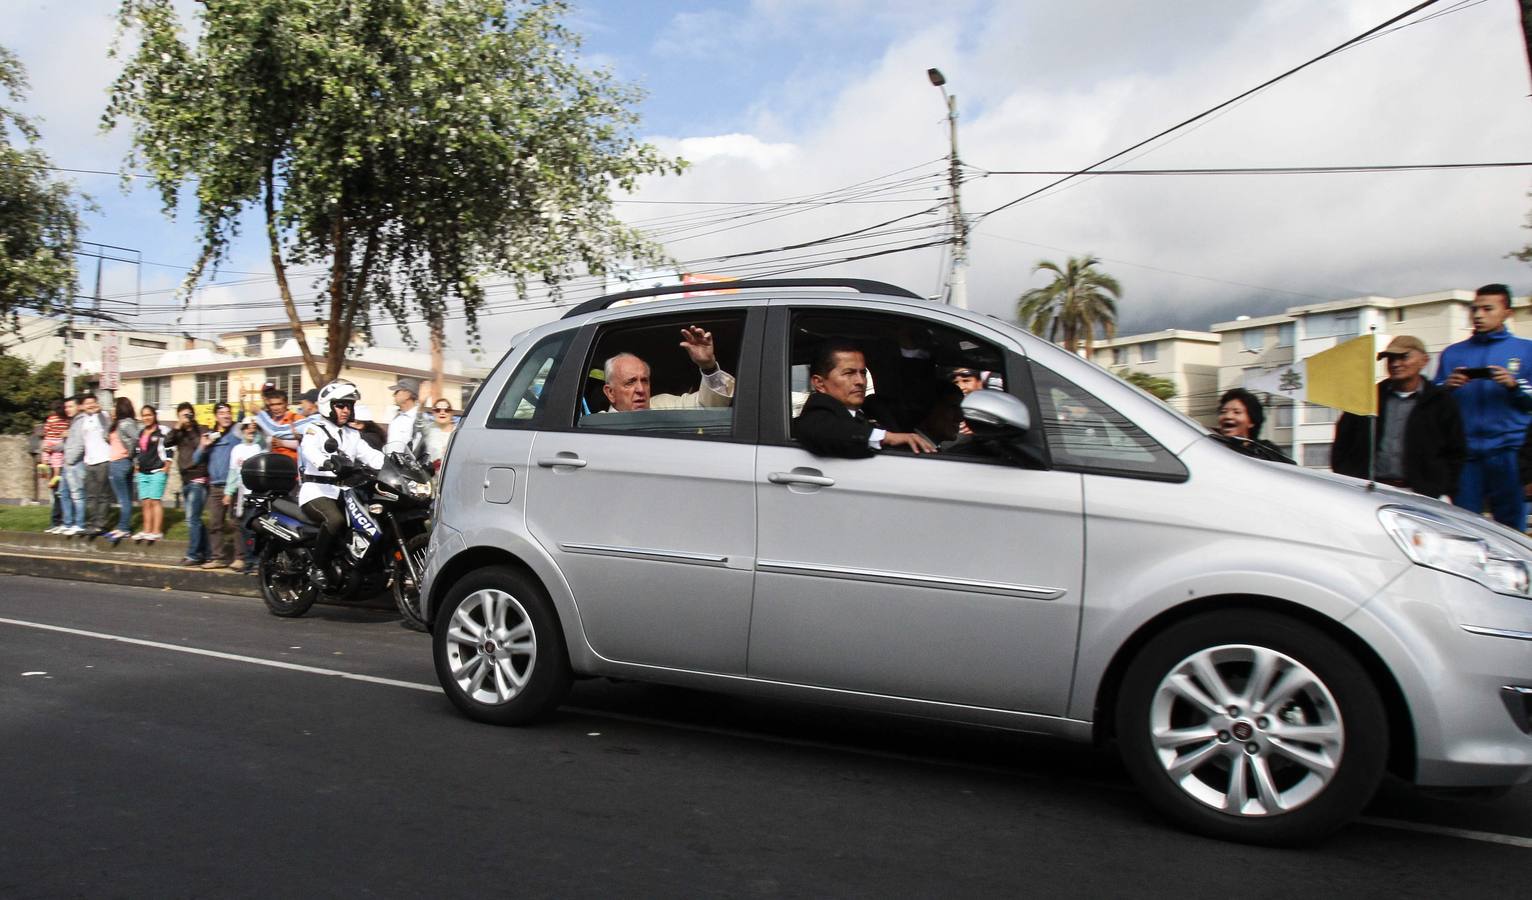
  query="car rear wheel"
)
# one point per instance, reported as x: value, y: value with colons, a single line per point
x: 1251, y: 726
x: 497, y: 647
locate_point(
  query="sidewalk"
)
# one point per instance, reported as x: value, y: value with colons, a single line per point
x: 140, y: 565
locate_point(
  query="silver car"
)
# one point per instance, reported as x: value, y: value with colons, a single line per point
x: 1262, y: 642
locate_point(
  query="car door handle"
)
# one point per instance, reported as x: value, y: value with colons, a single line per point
x: 560, y: 462
x: 800, y: 478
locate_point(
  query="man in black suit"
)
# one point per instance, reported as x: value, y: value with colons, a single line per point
x: 832, y: 422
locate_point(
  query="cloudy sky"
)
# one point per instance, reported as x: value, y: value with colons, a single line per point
x: 828, y: 102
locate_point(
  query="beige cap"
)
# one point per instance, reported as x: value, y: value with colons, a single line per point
x: 1404, y: 343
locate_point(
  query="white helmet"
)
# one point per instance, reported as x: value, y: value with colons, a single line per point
x: 336, y: 391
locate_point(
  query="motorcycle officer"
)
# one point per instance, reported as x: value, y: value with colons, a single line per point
x: 319, y: 495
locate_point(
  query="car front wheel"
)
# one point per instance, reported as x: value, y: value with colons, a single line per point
x: 498, y: 651
x: 1251, y: 726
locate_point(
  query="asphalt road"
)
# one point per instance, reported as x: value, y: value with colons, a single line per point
x: 130, y: 767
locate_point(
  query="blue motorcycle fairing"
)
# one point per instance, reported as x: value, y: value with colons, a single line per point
x: 361, y: 520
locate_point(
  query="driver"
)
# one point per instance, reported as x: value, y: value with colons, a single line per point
x: 627, y: 379
x: 320, y: 493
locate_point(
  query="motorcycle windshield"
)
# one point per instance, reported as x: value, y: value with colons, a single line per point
x: 398, y: 468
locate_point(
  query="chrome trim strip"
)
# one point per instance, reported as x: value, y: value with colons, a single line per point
x: 700, y: 559
x: 910, y: 579
x: 1498, y: 632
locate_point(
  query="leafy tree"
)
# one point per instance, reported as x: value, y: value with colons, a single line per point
x: 26, y: 393
x: 1162, y: 388
x: 411, y: 146
x: 1079, y: 300
x: 38, y: 220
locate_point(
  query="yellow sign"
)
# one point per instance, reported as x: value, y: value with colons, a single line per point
x: 1344, y: 377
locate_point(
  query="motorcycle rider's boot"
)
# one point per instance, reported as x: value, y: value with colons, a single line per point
x: 320, y: 575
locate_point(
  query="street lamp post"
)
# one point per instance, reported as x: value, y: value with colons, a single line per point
x: 957, y: 279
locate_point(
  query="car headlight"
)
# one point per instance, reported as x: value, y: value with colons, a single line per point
x: 1449, y: 547
x: 419, y: 489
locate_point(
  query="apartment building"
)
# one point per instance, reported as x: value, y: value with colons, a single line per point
x: 1188, y: 359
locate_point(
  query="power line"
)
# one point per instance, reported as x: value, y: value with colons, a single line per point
x: 1211, y: 110
x: 1274, y: 170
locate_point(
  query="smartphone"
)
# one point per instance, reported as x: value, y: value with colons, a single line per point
x: 1478, y: 372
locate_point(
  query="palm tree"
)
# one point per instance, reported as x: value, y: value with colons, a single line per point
x: 1163, y: 388
x: 1080, y: 299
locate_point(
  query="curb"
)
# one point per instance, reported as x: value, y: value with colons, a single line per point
x: 152, y: 566
x: 75, y: 567
x: 91, y: 549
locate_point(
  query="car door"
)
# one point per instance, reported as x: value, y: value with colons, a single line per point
x: 650, y: 515
x: 939, y: 578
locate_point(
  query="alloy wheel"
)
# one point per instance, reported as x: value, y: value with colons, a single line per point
x: 1246, y: 730
x: 491, y: 647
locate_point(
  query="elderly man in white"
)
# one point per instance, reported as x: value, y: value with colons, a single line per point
x: 627, y: 379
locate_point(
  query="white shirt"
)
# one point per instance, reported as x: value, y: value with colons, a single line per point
x: 97, y: 450
x: 402, y: 429
x: 312, y: 455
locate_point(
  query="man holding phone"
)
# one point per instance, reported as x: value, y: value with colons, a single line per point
x: 1487, y: 375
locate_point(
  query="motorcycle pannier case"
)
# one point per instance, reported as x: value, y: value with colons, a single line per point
x: 269, y: 473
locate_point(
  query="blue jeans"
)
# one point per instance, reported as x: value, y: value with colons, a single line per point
x: 74, y: 495
x: 194, y: 497
x: 121, y: 473
x: 60, y: 497
x: 1493, y: 476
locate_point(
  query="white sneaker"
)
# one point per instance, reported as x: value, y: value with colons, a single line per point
x: 72, y: 530
x: 54, y: 530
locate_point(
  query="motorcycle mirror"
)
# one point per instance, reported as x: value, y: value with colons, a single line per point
x: 331, y: 446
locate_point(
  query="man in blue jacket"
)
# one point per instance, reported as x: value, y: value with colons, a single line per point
x: 213, y: 451
x: 1488, y: 377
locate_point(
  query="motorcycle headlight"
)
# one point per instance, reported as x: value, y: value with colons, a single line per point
x: 1459, y: 550
x: 420, y: 490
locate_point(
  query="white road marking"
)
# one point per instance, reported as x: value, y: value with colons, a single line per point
x: 1489, y: 837
x: 234, y: 657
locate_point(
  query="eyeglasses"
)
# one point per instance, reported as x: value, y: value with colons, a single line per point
x: 444, y: 409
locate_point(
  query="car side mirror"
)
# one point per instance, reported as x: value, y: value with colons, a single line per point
x: 996, y: 413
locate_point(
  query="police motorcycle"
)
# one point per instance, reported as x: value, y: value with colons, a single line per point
x: 388, y: 514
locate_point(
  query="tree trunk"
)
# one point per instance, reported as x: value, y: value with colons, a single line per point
x: 338, y: 332
x: 438, y: 337
x: 280, y: 270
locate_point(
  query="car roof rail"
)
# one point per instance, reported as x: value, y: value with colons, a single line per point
x: 861, y: 285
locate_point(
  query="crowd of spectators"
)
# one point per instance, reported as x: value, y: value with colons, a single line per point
x: 92, y: 460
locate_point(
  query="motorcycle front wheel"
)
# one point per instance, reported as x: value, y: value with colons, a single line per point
x: 285, y: 583
x: 405, y: 589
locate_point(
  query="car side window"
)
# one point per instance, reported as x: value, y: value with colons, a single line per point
x: 1086, y: 434
x: 523, y: 394
x: 916, y: 375
x: 674, y: 375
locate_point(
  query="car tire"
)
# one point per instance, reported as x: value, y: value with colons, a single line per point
x: 498, y: 648
x: 1251, y: 726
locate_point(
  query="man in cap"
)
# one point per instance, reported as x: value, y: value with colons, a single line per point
x: 1416, y: 441
x: 308, y: 412
x: 401, y: 430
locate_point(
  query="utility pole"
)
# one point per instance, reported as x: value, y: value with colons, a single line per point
x: 957, y: 279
